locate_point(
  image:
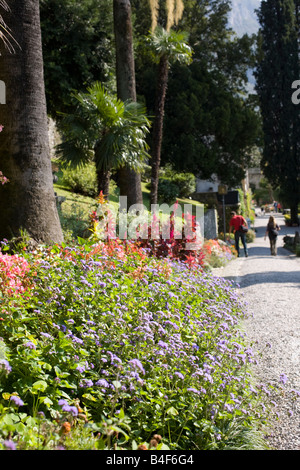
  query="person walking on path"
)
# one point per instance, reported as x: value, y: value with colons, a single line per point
x: 237, y: 222
x: 272, y: 231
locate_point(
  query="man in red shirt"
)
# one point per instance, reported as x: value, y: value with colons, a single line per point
x: 235, y: 223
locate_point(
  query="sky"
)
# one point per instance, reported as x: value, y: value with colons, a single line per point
x: 243, y: 20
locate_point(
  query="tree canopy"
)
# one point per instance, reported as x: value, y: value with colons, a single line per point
x: 216, y: 124
x: 77, y: 48
x: 277, y: 69
x: 207, y: 108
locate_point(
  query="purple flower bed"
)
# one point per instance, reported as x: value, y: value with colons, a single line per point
x: 121, y: 337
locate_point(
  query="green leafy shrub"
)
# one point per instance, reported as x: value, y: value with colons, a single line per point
x: 186, y: 183
x: 172, y: 185
x: 250, y: 236
x: 81, y: 180
x: 168, y: 191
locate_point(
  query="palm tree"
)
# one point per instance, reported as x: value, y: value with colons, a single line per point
x: 168, y: 47
x: 28, y: 201
x: 129, y: 180
x: 106, y: 130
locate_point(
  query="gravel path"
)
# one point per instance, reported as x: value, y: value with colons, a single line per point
x: 271, y: 288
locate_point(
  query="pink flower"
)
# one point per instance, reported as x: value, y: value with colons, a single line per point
x: 13, y: 270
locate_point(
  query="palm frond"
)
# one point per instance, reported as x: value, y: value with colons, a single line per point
x: 103, y: 126
x: 79, y: 138
x: 172, y: 44
x: 5, y: 35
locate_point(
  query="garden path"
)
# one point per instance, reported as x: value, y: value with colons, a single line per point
x: 271, y: 288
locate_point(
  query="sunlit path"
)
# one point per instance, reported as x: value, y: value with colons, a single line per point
x: 271, y: 287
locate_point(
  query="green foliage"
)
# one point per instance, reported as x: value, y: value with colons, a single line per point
x: 172, y: 44
x: 186, y: 182
x: 214, y: 129
x: 264, y: 193
x: 275, y: 74
x: 250, y: 236
x: 167, y: 191
x: 246, y: 207
x: 78, y: 48
x: 80, y: 180
x: 172, y: 185
x: 105, y: 129
x: 208, y: 127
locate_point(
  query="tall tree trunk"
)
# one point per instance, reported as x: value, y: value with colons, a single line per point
x: 103, y: 179
x: 28, y: 200
x: 161, y: 91
x: 129, y: 180
x: 294, y: 213
x: 102, y: 175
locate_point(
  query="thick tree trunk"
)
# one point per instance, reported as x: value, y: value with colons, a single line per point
x: 27, y: 202
x: 129, y: 180
x: 157, y: 131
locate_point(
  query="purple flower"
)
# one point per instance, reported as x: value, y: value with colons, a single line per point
x: 68, y: 408
x: 283, y: 379
x: 171, y: 294
x: 10, y: 445
x: 46, y: 335
x: 191, y: 389
x: 77, y: 340
x: 4, y: 364
x: 62, y: 402
x: 17, y: 400
x: 138, y: 364
x: 30, y: 345
x: 102, y: 383
x: 181, y: 376
x: 86, y: 383
x: 73, y: 410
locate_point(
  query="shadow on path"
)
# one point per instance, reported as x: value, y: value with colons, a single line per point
x: 264, y: 251
x: 289, y: 279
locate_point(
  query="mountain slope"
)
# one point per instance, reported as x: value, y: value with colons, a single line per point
x: 243, y: 18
